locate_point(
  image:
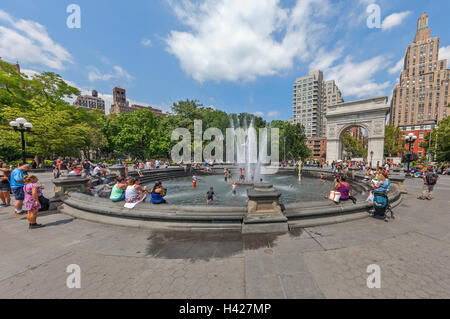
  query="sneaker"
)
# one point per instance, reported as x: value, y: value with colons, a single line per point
x: 20, y: 213
x: 36, y: 226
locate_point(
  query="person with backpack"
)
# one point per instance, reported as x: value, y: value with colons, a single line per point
x: 430, y: 179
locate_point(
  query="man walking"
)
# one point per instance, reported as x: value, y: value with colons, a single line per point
x: 430, y: 180
x: 17, y: 183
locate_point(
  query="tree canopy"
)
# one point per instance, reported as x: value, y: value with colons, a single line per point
x: 392, y: 142
x: 60, y: 129
x: 353, y: 146
x: 440, y: 142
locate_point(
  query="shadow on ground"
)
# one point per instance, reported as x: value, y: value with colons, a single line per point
x: 206, y: 245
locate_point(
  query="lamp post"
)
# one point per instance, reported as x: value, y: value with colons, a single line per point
x: 21, y: 125
x: 410, y: 139
x: 436, y: 142
x: 371, y: 159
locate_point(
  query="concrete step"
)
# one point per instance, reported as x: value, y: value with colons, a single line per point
x: 146, y: 224
x: 321, y: 221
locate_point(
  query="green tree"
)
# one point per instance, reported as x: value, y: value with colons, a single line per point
x: 440, y: 142
x: 392, y: 142
x: 353, y: 147
x: 139, y: 134
x: 294, y: 138
x: 59, y: 128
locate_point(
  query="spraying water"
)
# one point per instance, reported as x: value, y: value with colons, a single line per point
x: 246, y: 149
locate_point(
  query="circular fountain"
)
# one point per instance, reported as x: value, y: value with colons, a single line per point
x: 292, y: 197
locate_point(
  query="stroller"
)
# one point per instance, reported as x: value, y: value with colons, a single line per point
x: 381, y: 206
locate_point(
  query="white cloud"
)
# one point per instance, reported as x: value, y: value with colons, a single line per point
x: 324, y: 59
x: 29, y: 73
x: 356, y: 79
x: 260, y: 114
x: 273, y: 114
x: 28, y: 41
x: 394, y: 20
x: 146, y: 42
x: 235, y: 40
x: 444, y: 53
x: 118, y: 74
x: 397, y: 68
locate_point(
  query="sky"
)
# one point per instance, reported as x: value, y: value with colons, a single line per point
x: 238, y: 56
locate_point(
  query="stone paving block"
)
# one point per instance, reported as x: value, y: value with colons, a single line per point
x: 300, y: 286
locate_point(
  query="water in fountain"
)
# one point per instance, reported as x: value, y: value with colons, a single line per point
x: 246, y: 150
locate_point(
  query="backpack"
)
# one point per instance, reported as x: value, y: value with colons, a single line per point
x: 432, y: 179
x: 45, y: 204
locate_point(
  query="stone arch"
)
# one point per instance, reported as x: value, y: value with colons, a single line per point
x: 369, y: 114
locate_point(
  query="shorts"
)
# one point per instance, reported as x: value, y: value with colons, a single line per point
x: 233, y: 192
x: 4, y: 187
x: 122, y: 198
x: 18, y: 193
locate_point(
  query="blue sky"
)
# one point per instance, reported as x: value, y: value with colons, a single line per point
x: 239, y: 56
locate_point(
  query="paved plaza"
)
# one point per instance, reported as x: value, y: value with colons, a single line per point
x: 322, y: 262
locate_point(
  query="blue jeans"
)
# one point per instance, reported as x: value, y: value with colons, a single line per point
x: 122, y: 198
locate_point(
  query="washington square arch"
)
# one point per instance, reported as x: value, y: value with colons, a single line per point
x: 370, y: 114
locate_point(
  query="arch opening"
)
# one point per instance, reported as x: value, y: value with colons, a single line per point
x: 354, y: 143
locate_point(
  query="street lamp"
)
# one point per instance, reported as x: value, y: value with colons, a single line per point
x: 21, y: 125
x: 371, y: 159
x: 410, y: 139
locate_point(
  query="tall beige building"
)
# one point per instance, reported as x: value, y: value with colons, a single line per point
x: 312, y: 97
x: 422, y: 95
x: 331, y: 96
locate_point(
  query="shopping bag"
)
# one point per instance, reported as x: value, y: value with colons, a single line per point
x: 133, y: 205
x: 335, y: 196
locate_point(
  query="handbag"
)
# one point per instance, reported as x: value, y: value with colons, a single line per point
x: 335, y: 196
x: 45, y: 204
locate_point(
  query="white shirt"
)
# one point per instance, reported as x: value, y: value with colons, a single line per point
x: 131, y: 194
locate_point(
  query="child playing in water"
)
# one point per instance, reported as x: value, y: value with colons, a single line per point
x: 194, y: 181
x: 322, y: 178
x: 234, y: 189
x: 210, y: 196
x: 226, y: 175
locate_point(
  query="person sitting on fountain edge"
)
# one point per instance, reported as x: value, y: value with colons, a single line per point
x: 344, y: 188
x: 158, y: 192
